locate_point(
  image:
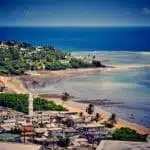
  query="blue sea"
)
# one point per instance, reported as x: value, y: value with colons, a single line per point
x: 82, y: 38
x: 112, y: 46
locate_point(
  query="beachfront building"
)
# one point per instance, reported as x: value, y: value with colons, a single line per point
x: 40, y: 132
x: 91, y: 128
x: 93, y: 132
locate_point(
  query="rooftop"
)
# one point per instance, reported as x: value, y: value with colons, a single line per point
x: 123, y: 145
x: 54, y: 129
x: 91, y: 125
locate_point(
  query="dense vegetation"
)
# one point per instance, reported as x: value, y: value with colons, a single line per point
x: 127, y: 134
x: 42, y: 104
x: 19, y: 102
x: 18, y: 57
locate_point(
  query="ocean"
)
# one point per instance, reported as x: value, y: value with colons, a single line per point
x: 112, y: 46
x: 82, y: 38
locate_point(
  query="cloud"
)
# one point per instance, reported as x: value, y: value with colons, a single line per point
x: 146, y: 11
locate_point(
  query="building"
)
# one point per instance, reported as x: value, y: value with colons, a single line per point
x: 54, y: 132
x: 91, y: 128
x: 39, y: 132
x: 70, y: 132
x: 123, y: 145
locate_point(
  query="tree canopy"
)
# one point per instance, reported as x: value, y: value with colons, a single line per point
x: 18, y: 57
x: 19, y: 102
x: 127, y: 134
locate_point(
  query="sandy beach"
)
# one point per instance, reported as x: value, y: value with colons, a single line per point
x: 15, y: 84
x: 68, y: 72
x: 81, y: 107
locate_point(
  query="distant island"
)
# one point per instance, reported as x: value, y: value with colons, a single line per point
x: 18, y: 57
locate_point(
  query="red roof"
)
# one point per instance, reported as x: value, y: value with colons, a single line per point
x: 27, y: 128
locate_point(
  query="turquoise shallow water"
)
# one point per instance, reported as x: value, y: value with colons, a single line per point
x: 132, y: 87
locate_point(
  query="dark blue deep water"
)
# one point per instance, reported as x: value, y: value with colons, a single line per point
x: 82, y: 38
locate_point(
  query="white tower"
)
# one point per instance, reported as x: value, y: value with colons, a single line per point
x: 30, y: 106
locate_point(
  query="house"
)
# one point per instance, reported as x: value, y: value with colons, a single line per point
x: 70, y: 132
x: 54, y: 132
x: 93, y: 132
x: 27, y: 130
x: 91, y: 128
x: 39, y: 132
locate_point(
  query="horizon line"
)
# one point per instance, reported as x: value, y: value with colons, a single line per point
x: 75, y: 26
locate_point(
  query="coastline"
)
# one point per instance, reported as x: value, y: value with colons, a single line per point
x: 68, y: 72
x: 15, y: 84
x: 78, y: 107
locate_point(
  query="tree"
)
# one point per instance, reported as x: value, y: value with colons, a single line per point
x: 113, y: 118
x: 97, y: 63
x: 97, y: 117
x: 19, y: 102
x: 127, y: 134
x: 81, y: 114
x: 90, y: 109
x: 65, y: 97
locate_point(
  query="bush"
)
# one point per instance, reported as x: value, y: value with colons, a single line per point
x: 42, y: 104
x: 97, y: 63
x: 19, y: 102
x: 127, y: 134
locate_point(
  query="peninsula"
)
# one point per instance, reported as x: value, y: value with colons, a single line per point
x: 19, y: 57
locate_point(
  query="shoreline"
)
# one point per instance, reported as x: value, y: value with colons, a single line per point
x: 55, y: 73
x: 78, y: 107
x: 15, y: 84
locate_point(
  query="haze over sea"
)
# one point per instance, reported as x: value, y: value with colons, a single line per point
x: 111, y: 45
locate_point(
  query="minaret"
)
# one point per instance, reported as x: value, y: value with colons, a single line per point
x: 30, y: 106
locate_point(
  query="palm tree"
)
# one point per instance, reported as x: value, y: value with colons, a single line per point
x: 97, y: 117
x: 65, y: 97
x: 81, y: 114
x: 113, y: 118
x: 90, y: 109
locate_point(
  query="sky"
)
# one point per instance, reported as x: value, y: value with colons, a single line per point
x: 75, y: 13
